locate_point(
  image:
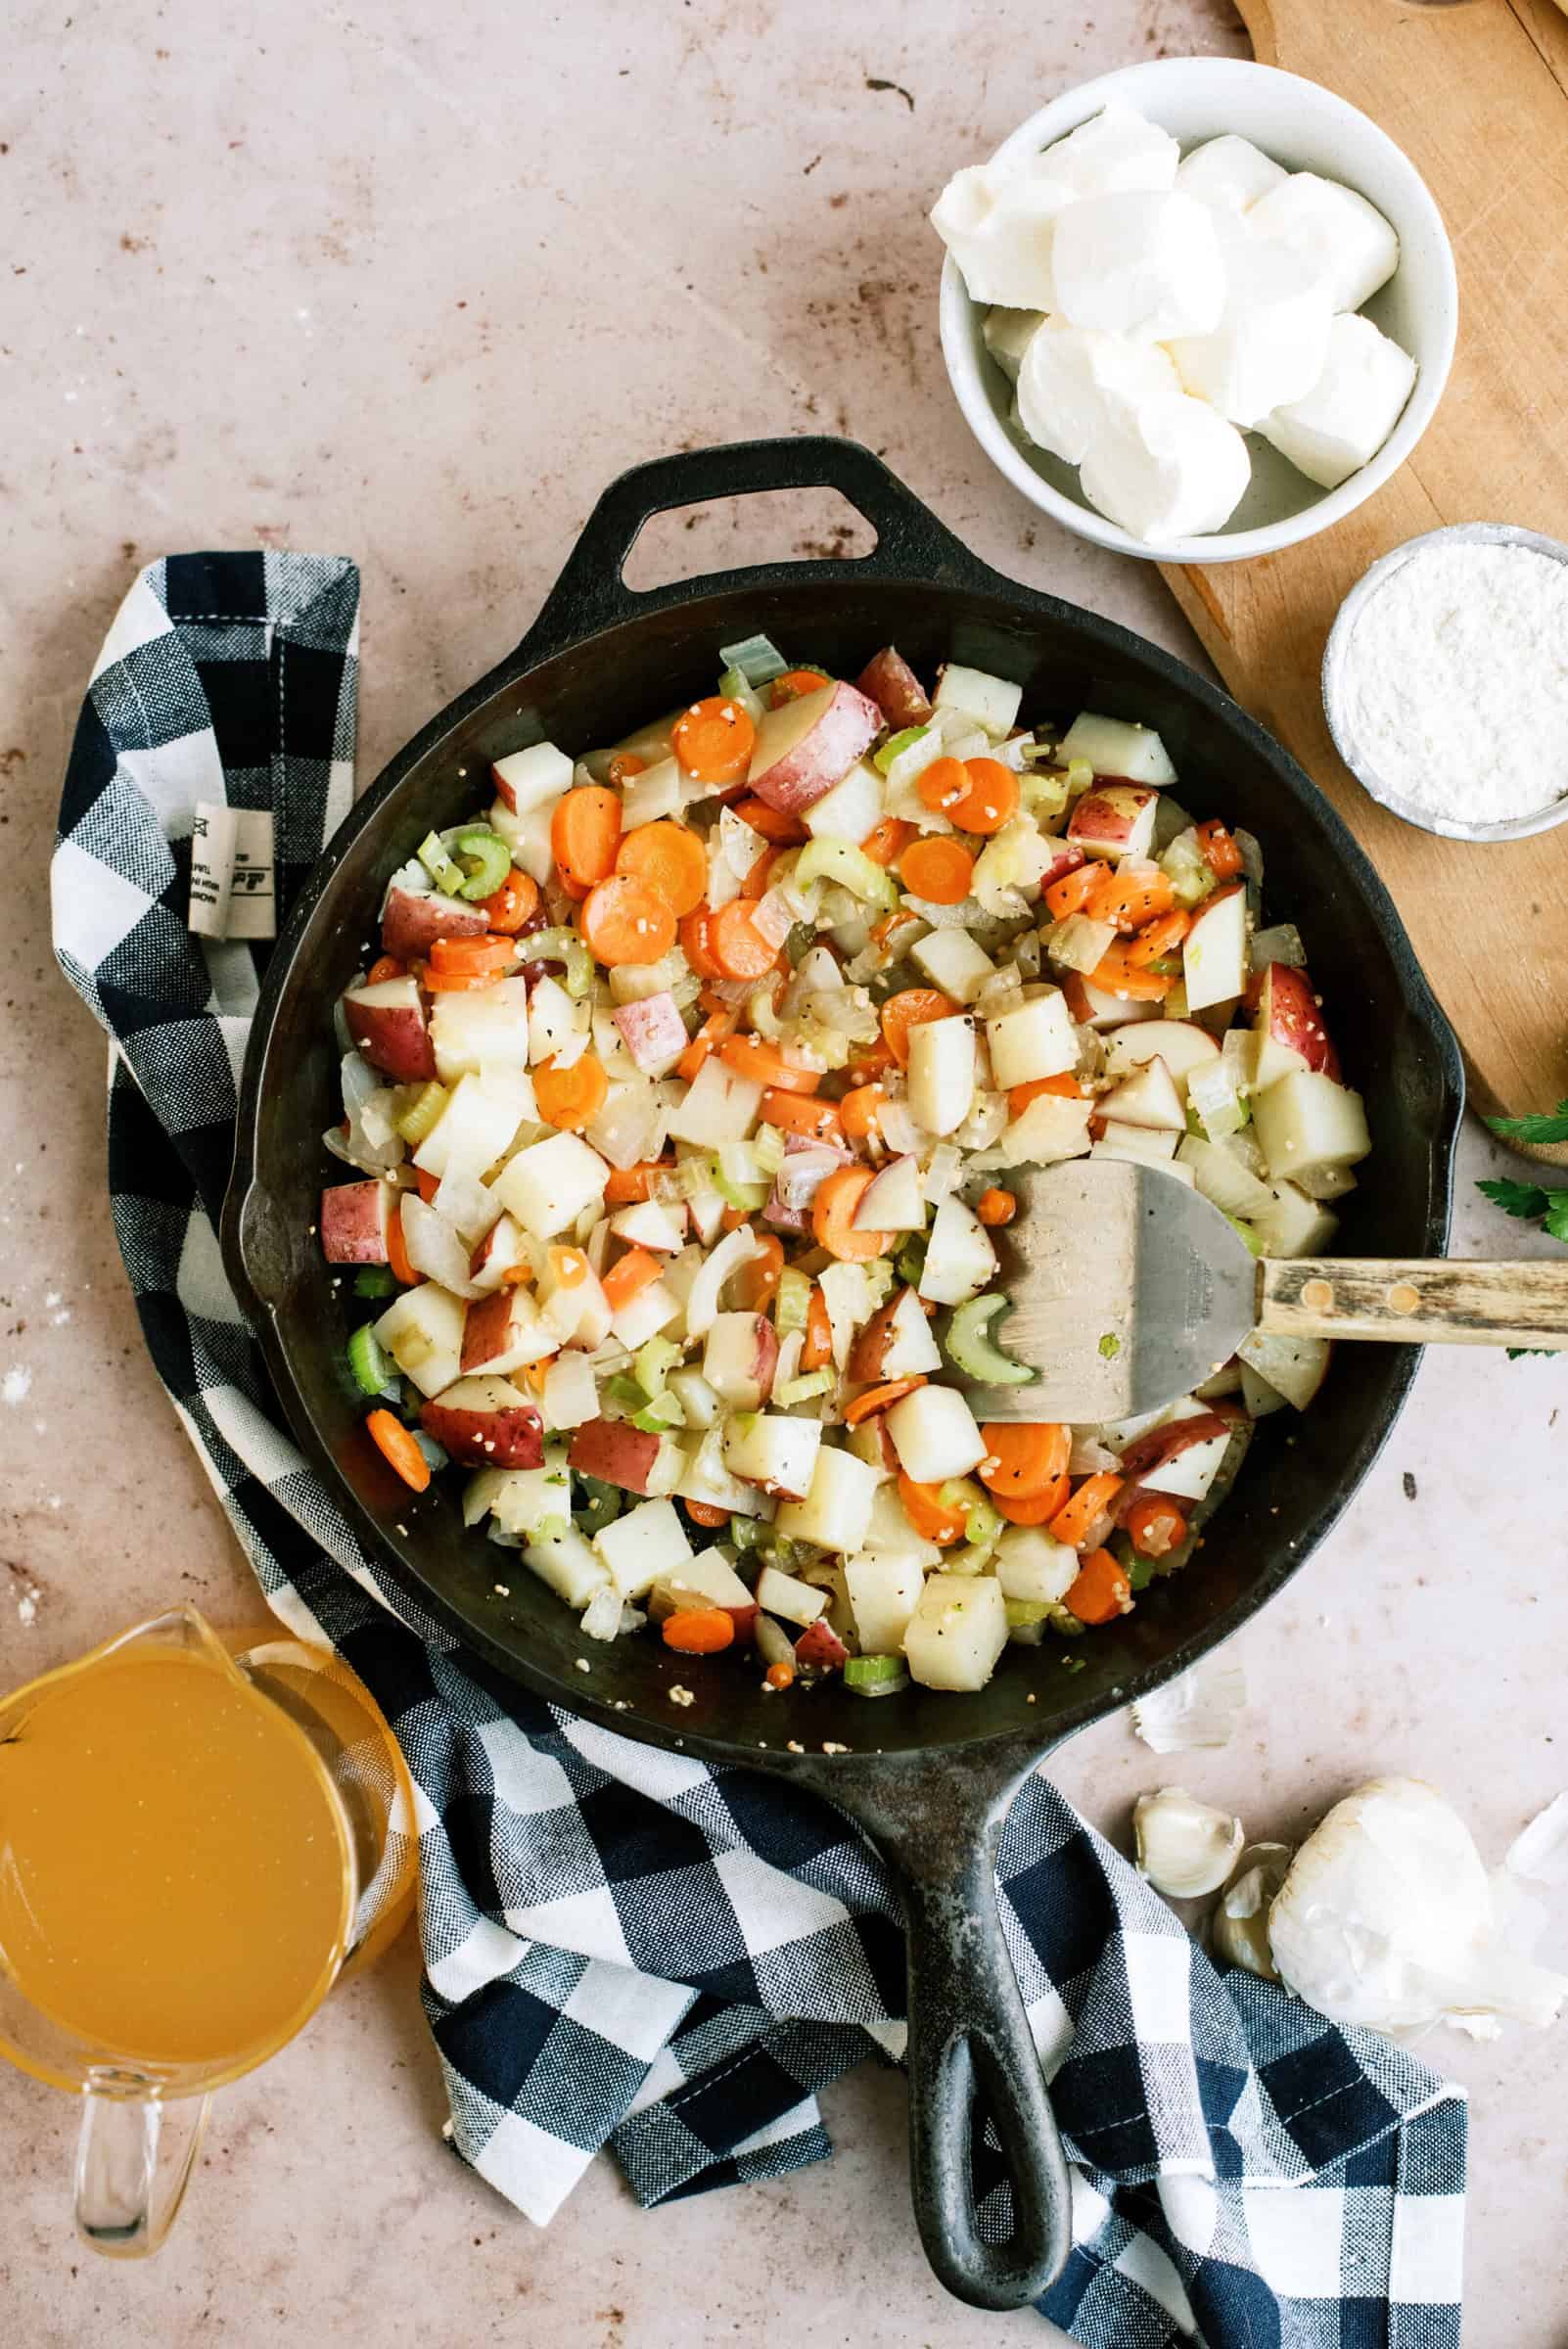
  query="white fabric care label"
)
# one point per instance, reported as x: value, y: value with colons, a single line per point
x: 232, y: 891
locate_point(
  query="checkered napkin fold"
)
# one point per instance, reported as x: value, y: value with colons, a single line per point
x: 626, y: 1948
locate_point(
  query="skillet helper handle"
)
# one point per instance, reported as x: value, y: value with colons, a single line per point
x: 1415, y: 1304
x: 590, y: 593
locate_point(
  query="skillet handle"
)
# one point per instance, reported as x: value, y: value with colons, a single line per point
x: 971, y: 2055
x: 590, y: 593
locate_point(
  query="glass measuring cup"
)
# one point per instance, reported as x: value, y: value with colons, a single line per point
x: 199, y: 1833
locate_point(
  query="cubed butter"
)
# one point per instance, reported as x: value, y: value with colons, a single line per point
x: 1138, y: 263
x: 1072, y: 377
x: 1343, y: 242
x: 1000, y: 225
x: 1114, y: 151
x: 1007, y: 334
x: 1229, y: 173
x: 1171, y: 468
x: 1272, y: 341
x: 1351, y: 410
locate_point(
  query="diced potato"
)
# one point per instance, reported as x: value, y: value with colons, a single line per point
x: 423, y: 1332
x: 837, y: 1510
x: 568, y: 1565
x: 1035, y: 1040
x: 1306, y: 1121
x: 951, y: 961
x: 1294, y: 1368
x: 934, y: 1433
x: 957, y: 1631
x: 787, y: 1595
x: 885, y: 1587
x: 647, y: 1541
x: 959, y: 1257
x: 1113, y: 747
x: 548, y: 1185
x: 992, y: 702
x: 1030, y: 1564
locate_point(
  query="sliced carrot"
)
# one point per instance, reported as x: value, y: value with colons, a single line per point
x: 799, y: 1113
x: 537, y: 1372
x: 623, y: 920
x: 1072, y: 893
x: 1159, y: 940
x: 793, y: 683
x: 669, y: 860
x: 756, y: 1281
x: 1130, y: 899
x: 458, y: 983
x: 396, y: 1445
x: 585, y: 833
x: 767, y: 1064
x: 939, y: 869
x: 569, y: 1268
x: 990, y: 799
x: 1094, y: 1496
x: 706, y: 1513
x: 1065, y: 1086
x: 833, y: 1217
x: 870, y: 1061
x: 1116, y: 973
x: 708, y: 1038
x: 426, y: 1183
x: 929, y: 1514
x: 880, y: 1398
x: 784, y: 831
x: 397, y: 1255
x: 860, y: 1109
x: 384, y: 967
x: 1024, y: 1457
x: 630, y: 1184
x: 733, y: 1218
x: 996, y: 1205
x: 514, y: 904
x: 491, y: 955
x: 699, y: 1630
x: 694, y: 943
x: 624, y: 765
x: 887, y: 841
x: 1039, y: 1508
x: 780, y: 1675
x: 628, y: 1276
x: 1102, y: 1590
x: 817, y: 1351
x: 519, y: 1276
x: 910, y: 1009
x: 754, y: 883
x: 1154, y: 1525
x: 1221, y: 851
x: 714, y: 740
x: 943, y: 784
x: 573, y: 1097
x: 737, y: 946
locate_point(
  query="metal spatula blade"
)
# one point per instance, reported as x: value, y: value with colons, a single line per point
x: 1128, y: 1290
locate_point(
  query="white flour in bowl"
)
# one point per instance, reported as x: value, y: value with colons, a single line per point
x: 1457, y: 682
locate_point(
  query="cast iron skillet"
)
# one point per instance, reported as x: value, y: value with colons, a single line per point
x: 927, y: 1777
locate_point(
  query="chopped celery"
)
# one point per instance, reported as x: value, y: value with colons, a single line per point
x: 758, y: 659
x: 625, y: 1392
x: 371, y: 1369
x: 801, y: 1390
x: 883, y: 759
x: 747, y: 1532
x: 416, y: 1120
x: 653, y: 1364
x: 850, y: 867
x: 875, y: 1675
x: 1187, y: 869
x: 600, y: 1505
x: 563, y: 946
x: 792, y: 1303
x: 1021, y: 1611
x: 1079, y: 775
x: 1043, y: 792
x: 910, y: 1260
x: 972, y: 1349
x: 881, y: 1280
x: 664, y: 1411
x: 550, y: 1529
x: 960, y: 1493
x: 734, y: 687
x: 767, y: 1148
x: 982, y: 1524
x: 1246, y: 1234
x: 967, y: 1559
x: 375, y: 1280
x: 439, y: 866
x: 749, y: 1197
x: 485, y: 859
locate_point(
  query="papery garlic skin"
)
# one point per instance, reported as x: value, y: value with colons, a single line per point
x: 1184, y: 1848
x: 1238, y: 1930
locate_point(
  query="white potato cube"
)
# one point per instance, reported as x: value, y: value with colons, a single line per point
x: 1344, y: 243
x: 570, y: 1391
x: 934, y: 1433
x: 951, y: 961
x: 992, y: 702
x: 1292, y: 1225
x: 1171, y: 468
x: 479, y: 1124
x: 533, y: 778
x: 548, y: 1185
x: 1306, y: 1121
x: 650, y: 1224
x: 1113, y: 150
x: 1229, y: 173
x: 1051, y: 1128
x: 999, y: 225
x: 959, y: 1257
x: 957, y: 1631
x: 786, y: 1595
x: 1294, y: 1368
x: 644, y: 1315
x: 1272, y: 341
x: 528, y: 837
x: 1342, y: 422
x: 486, y: 1029
x: 642, y: 1544
x: 852, y: 810
x: 942, y: 1073
x: 1214, y: 953
x: 837, y: 1510
x: 1138, y: 263
x: 1032, y: 1564
x: 1147, y: 1098
x: 884, y: 1588
x: 701, y: 1475
x: 1073, y: 378
x: 1035, y: 1040
x: 1006, y: 336
x: 568, y: 1565
x: 423, y: 1332
x: 768, y: 1448
x: 895, y: 1200
x: 1111, y: 747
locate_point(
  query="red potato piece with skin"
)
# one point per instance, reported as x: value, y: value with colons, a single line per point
x: 411, y: 924
x: 1160, y: 1445
x: 1068, y: 859
x: 1290, y: 1025
x: 388, y: 1023
x: 498, y: 1253
x: 1115, y: 819
x: 740, y: 1358
x: 819, y: 1648
x: 485, y: 1423
x: 888, y: 680
x: 807, y: 747
x: 502, y: 1333
x: 353, y: 1223
x: 616, y: 1453
x: 652, y: 1030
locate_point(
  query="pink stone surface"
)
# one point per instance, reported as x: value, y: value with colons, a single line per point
x: 413, y: 285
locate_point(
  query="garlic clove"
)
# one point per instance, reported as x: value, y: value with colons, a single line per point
x: 1238, y: 1930
x: 1184, y: 1848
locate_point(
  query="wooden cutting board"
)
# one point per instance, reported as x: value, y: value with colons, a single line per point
x: 1477, y: 95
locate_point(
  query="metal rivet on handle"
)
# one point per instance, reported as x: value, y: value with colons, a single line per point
x: 1317, y: 1296
x: 1402, y: 1299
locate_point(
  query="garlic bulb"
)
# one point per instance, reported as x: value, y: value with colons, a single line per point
x: 1387, y: 1918
x: 1238, y: 1930
x: 1184, y: 1847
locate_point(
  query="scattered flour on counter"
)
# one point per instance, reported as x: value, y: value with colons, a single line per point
x: 1456, y: 680
x: 27, y: 1606
x: 16, y: 1385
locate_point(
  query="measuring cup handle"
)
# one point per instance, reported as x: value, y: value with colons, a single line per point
x: 118, y: 2209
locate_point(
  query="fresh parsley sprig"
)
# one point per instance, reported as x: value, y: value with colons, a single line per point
x: 1545, y: 1126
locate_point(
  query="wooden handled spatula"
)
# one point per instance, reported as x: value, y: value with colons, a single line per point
x: 1129, y: 1289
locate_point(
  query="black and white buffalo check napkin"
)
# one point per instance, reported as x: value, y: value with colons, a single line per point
x: 625, y: 1948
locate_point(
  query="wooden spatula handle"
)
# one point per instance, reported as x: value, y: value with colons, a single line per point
x: 1449, y: 1303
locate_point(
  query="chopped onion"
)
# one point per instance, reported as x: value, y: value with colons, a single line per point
x: 1282, y: 944
x: 738, y: 846
x: 737, y: 1248
x: 435, y: 1247
x: 372, y: 1142
x: 625, y: 1130
x: 1199, y: 1708
x: 600, y: 1618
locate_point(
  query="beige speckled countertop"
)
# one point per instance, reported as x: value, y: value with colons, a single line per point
x: 412, y: 284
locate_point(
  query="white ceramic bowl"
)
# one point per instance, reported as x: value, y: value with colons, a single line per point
x: 1307, y: 128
